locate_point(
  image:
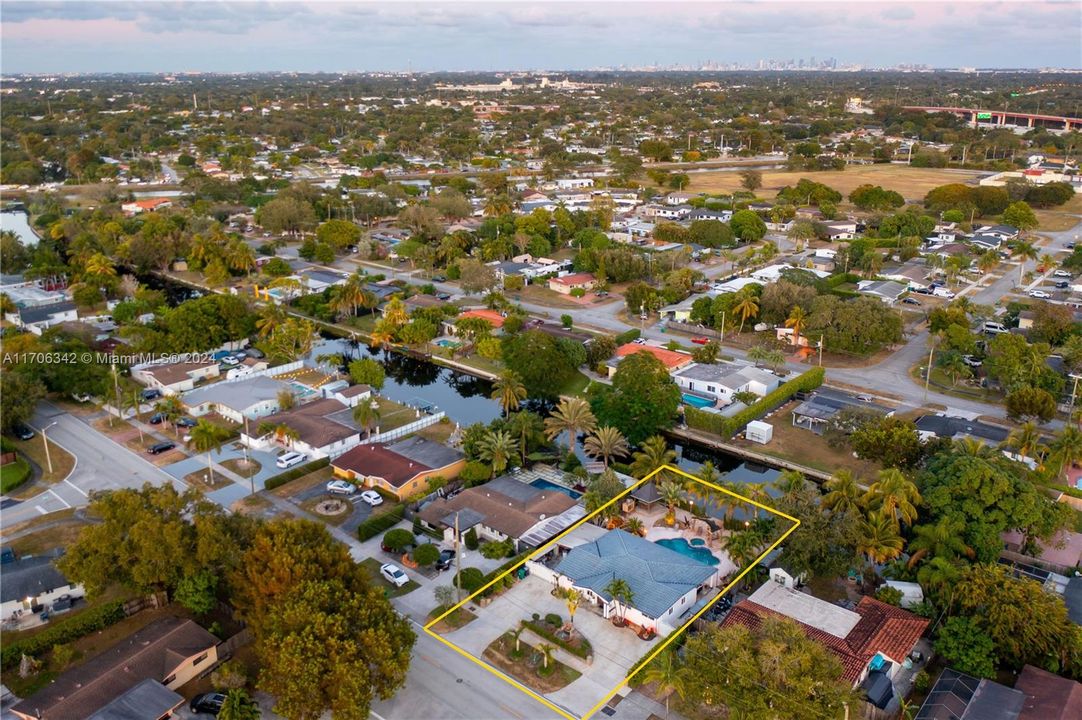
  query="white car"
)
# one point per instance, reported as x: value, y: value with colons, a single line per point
x: 372, y: 497
x: 1063, y: 273
x: 971, y: 361
x: 1040, y: 294
x: 230, y: 361
x: 341, y: 487
x: 393, y: 574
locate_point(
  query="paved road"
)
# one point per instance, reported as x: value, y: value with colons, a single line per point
x: 100, y: 464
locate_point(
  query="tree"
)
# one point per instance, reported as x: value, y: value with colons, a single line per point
x: 641, y: 401
x: 874, y: 197
x: 292, y: 339
x: 426, y: 554
x: 366, y: 413
x: 238, y: 706
x: 824, y: 544
x: 710, y: 233
x: 285, y: 214
x: 751, y: 180
x: 666, y: 673
x: 509, y: 391
x: 671, y: 493
x: 573, y: 416
x: 878, y: 538
x: 367, y: 371
x: 622, y: 595
x: 1020, y: 215
x: 541, y: 363
x: 748, y: 226
x: 797, y: 321
x: 315, y: 614
x: 653, y: 453
x: 21, y: 394
x: 572, y: 599
x: 748, y: 307
x: 940, y: 540
x: 843, y: 493
x: 606, y: 443
x: 894, y: 495
x: 889, y: 440
x: 962, y: 644
x: 601, y: 489
x: 1023, y: 251
x: 476, y: 277
x: 198, y: 592
x: 206, y: 438
x: 1031, y: 403
x: 1067, y: 448
x: 497, y: 448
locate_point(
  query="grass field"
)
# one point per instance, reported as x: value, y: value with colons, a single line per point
x: 911, y: 182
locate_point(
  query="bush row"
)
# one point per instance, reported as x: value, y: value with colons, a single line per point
x: 63, y: 631
x: 509, y: 580
x: 729, y: 426
x: 294, y: 473
x: 542, y: 628
x: 373, y: 526
x: 630, y: 336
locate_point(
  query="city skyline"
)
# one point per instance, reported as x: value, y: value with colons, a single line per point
x: 508, y: 36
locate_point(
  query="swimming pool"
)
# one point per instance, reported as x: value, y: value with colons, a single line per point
x: 447, y: 343
x: 696, y: 401
x: 680, y: 545
x: 546, y: 485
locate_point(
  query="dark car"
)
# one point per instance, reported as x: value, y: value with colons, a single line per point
x: 446, y: 558
x: 923, y: 291
x: 911, y: 301
x: 207, y: 703
x: 151, y: 394
x: 1062, y: 285
x: 156, y: 418
x: 439, y: 278
x: 443, y: 296
x: 23, y: 432
x: 159, y: 448
x: 254, y: 353
x: 186, y: 422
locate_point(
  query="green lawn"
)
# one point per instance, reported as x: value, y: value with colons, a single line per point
x: 372, y: 566
x: 13, y: 475
x: 576, y: 385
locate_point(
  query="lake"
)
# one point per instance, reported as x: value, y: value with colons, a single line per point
x: 19, y: 223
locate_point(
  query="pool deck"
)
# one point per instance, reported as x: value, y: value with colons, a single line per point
x: 725, y: 565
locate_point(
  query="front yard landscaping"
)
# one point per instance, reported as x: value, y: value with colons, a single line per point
x: 461, y: 617
x: 372, y: 566
x: 532, y: 666
x: 237, y: 465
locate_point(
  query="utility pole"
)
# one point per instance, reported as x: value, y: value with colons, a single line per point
x: 44, y: 439
x: 722, y: 338
x: 116, y: 392
x: 928, y: 375
x: 821, y: 340
x: 458, y: 563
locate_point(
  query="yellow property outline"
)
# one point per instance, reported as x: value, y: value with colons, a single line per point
x: 642, y: 663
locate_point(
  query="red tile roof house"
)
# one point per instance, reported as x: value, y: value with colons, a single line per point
x: 148, y: 205
x: 577, y: 281
x: 856, y: 637
x: 494, y: 319
x: 402, y: 468
x: 671, y: 359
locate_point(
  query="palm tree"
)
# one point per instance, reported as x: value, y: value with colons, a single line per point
x: 895, y: 496
x: 878, y: 539
x: 100, y: 265
x: 653, y: 453
x: 171, y: 409
x: 621, y: 593
x: 790, y: 482
x: 666, y: 673
x: 572, y: 415
x: 516, y: 635
x: 797, y: 321
x: 395, y: 312
x: 497, y: 448
x: 349, y: 297
x: 546, y: 651
x: 953, y: 364
x: 206, y: 438
x: 383, y: 334
x: 988, y: 261
x: 283, y: 434
x: 943, y: 539
x: 938, y: 576
x: 634, y: 526
x: 238, y: 706
x: 240, y: 257
x: 367, y: 415
x: 974, y: 447
x: 843, y: 492
x: 758, y: 354
x: 526, y: 425
x: 1067, y: 448
x: 671, y: 493
x: 271, y: 316
x: 572, y: 598
x: 758, y: 493
x: 1024, y: 250
x: 497, y: 205
x: 748, y: 307
x: 509, y: 391
x: 1026, y: 441
x: 606, y: 443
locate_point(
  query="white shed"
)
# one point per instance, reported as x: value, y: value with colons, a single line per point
x: 759, y: 432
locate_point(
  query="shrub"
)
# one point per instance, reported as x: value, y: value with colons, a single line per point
x: 493, y: 550
x: 475, y: 473
x: 294, y: 473
x: 375, y: 525
x: 398, y: 539
x: 63, y: 631
x: 554, y: 620
x: 471, y: 539
x: 471, y: 579
x: 417, y: 527
x: 567, y: 321
x: 582, y: 649
x: 426, y: 554
x: 729, y: 426
x: 629, y: 336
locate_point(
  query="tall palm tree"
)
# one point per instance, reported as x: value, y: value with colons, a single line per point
x: 172, y: 409
x: 943, y: 539
x: 748, y: 307
x: 974, y: 447
x: 1067, y: 448
x: 367, y: 415
x: 797, y: 321
x: 606, y: 443
x: 895, y: 496
x: 283, y: 434
x: 497, y: 448
x: 621, y: 593
x: 271, y: 316
x: 878, y: 539
x: 509, y: 391
x: 206, y: 438
x: 756, y: 492
x: 671, y: 493
x: 668, y: 675
x: 742, y: 546
x: 348, y: 297
x: 843, y: 493
x: 383, y: 334
x: 938, y: 576
x: 100, y: 265
x: 240, y: 257
x: 653, y: 453
x: 525, y: 425
x: 790, y: 482
x: 1026, y: 441
x: 1024, y: 250
x: 395, y: 312
x: 572, y: 415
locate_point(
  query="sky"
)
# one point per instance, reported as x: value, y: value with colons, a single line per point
x: 210, y: 36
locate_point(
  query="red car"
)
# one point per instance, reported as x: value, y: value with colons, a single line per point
x: 700, y: 340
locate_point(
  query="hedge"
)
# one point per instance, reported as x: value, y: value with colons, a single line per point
x: 63, y: 631
x: 294, y: 473
x: 13, y: 475
x: 630, y: 336
x: 1067, y: 490
x: 729, y: 426
x: 582, y: 650
x: 504, y: 569
x: 385, y: 521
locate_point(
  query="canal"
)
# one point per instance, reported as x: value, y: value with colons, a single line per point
x: 18, y: 222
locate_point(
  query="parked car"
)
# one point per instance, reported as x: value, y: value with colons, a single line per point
x: 290, y: 459
x: 1062, y: 285
x: 156, y: 418
x: 186, y: 422
x: 341, y: 487
x: 1040, y: 294
x: 255, y: 353
x: 700, y: 340
x: 911, y: 301
x: 922, y: 291
x: 230, y: 360
x: 159, y: 448
x: 372, y: 497
x: 640, y: 341
x: 150, y: 394
x: 994, y: 328
x: 971, y: 361
x: 1063, y: 273
x: 23, y: 431
x: 443, y: 296
x: 1070, y: 246
x: 207, y: 703
x: 393, y: 574
x: 439, y: 278
x: 446, y: 558
x: 80, y: 397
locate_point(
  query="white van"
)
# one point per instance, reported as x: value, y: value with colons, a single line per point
x: 290, y: 459
x: 942, y: 292
x: 994, y: 328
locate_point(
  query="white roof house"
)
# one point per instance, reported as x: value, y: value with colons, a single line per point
x: 250, y: 398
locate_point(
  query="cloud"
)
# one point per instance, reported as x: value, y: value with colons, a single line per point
x: 899, y: 12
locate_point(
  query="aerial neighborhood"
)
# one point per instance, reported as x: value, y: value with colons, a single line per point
x: 528, y: 395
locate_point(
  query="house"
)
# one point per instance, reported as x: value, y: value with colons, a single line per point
x: 957, y: 696
x: 913, y: 274
x: 38, y: 318
x: 321, y: 428
x: 665, y: 584
x: 957, y: 428
x: 170, y: 651
x: 1003, y: 232
x: 723, y: 380
x: 174, y: 378
x: 250, y: 398
x: 416, y: 302
x: 986, y: 242
x: 840, y: 230
x: 567, y: 284
x: 1048, y: 696
x: 147, y: 205
x: 874, y: 637
x: 350, y: 396
x: 887, y: 291
x: 402, y: 468
x: 681, y: 311
x: 702, y: 214
x: 509, y: 268
x: 680, y: 197
x: 494, y: 318
x: 772, y: 273
x: 315, y: 281
x: 149, y: 699
x: 671, y: 359
x: 1062, y: 554
x: 32, y: 584
x: 825, y: 403
x: 504, y: 509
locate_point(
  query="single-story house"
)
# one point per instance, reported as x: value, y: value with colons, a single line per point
x: 251, y: 398
x: 351, y: 396
x: 149, y: 699
x: 680, y: 197
x: 38, y: 318
x: 503, y: 509
x: 912, y: 274
x: 957, y: 696
x: 874, y: 636
x: 821, y: 407
x: 665, y: 584
x: 174, y: 378
x: 146, y: 205
x: 319, y: 280
x: 1004, y: 232
x: 318, y: 433
x: 415, y: 302
x: 681, y: 311
x: 509, y: 268
x: 772, y: 273
x: 32, y: 584
x: 671, y: 359
x: 170, y: 651
x: 566, y: 284
x: 723, y: 380
x: 494, y: 318
x: 1048, y: 696
x: 956, y: 428
x: 402, y: 468
x: 703, y: 214
x: 986, y: 242
x: 887, y: 291
x: 840, y: 230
